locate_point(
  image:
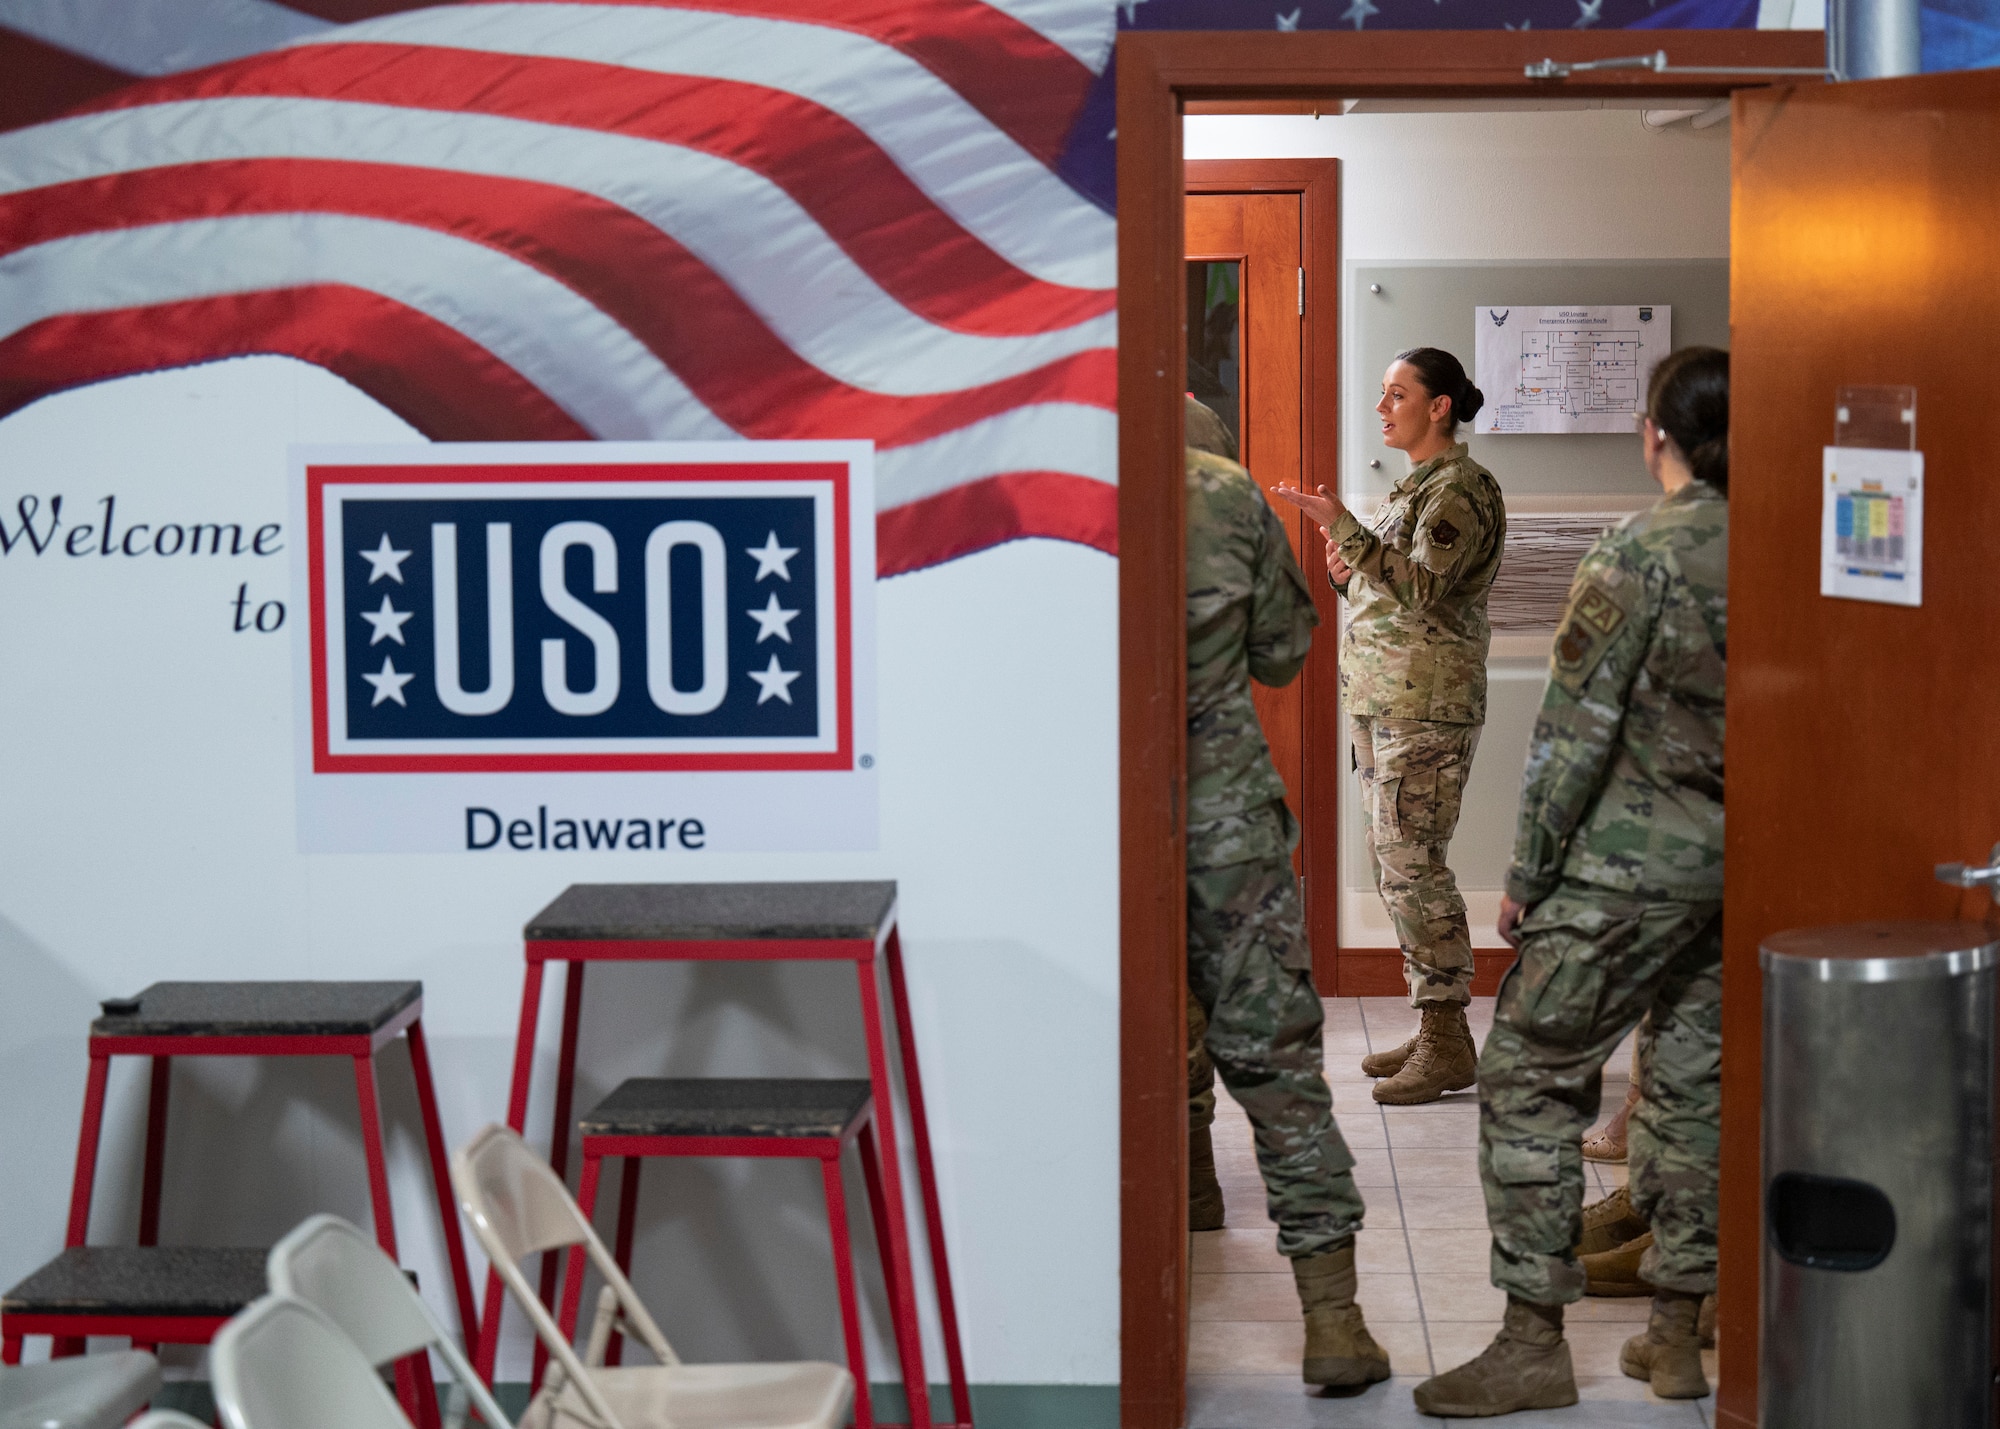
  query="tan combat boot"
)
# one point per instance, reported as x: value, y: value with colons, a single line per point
x: 1705, y: 1322
x: 1610, y: 1223
x: 1526, y: 1367
x: 1668, y: 1355
x: 1204, y: 1191
x: 1339, y: 1349
x: 1443, y: 1060
x: 1616, y: 1272
x: 1387, y: 1064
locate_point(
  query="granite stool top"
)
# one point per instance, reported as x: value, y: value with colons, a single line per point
x: 260, y: 1009
x: 714, y: 912
x: 727, y: 1106
x: 141, y: 1280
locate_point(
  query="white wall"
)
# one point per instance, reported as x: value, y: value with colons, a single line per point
x: 1589, y: 185
x: 148, y: 834
x: 1574, y: 183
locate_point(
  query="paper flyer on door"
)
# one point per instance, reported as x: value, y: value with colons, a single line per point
x: 1872, y: 525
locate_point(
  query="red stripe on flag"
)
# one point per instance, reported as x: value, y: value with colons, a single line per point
x: 1022, y: 81
x: 915, y: 250
x: 984, y: 513
x: 443, y: 384
x: 664, y: 295
x: 347, y: 12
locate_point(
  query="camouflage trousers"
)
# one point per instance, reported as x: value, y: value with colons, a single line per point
x: 1250, y: 993
x: 1413, y: 775
x: 1593, y: 962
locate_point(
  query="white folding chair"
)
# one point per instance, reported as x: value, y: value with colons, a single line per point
x: 82, y: 1392
x: 281, y: 1364
x: 518, y: 1208
x: 337, y: 1268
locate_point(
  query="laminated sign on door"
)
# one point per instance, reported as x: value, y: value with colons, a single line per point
x: 1872, y: 525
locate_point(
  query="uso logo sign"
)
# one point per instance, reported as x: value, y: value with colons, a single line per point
x: 582, y: 608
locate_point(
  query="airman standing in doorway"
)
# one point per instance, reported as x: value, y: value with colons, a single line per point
x: 1615, y: 902
x: 1249, y: 967
x: 1413, y: 683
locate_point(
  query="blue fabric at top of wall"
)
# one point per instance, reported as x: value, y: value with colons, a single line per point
x: 1089, y: 160
x: 1434, y: 14
x: 1961, y: 34
x: 1958, y: 34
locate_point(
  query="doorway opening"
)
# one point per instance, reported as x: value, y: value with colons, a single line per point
x: 1161, y: 77
x: 1551, y: 202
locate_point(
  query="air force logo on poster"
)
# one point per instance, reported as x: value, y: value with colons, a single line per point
x: 658, y: 648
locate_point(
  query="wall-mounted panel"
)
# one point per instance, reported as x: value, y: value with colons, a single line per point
x: 1432, y: 304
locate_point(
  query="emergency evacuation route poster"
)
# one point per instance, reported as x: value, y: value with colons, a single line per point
x: 665, y: 649
x: 1872, y: 526
x: 1565, y: 369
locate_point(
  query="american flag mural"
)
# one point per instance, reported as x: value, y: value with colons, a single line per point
x: 624, y: 220
x: 640, y: 219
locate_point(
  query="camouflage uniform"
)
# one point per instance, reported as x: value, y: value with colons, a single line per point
x: 1619, y: 858
x: 1250, y: 615
x: 1413, y: 682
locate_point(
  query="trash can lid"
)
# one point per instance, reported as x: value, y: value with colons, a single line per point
x: 1879, y: 952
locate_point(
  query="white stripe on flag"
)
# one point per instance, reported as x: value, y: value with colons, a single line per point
x: 972, y: 170
x: 801, y: 284
x: 160, y: 36
x: 583, y: 361
x: 1051, y: 436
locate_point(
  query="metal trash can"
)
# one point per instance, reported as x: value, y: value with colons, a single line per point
x: 1878, y: 1177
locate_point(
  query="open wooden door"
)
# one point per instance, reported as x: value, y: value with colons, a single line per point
x: 1262, y: 246
x: 1864, y: 739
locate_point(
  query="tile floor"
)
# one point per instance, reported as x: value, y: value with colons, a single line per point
x: 1423, y: 1261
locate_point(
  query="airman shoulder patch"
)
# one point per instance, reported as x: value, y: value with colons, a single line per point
x: 1596, y: 608
x: 1586, y: 634
x: 1443, y: 533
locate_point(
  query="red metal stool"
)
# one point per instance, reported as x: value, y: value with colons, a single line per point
x: 671, y: 922
x: 226, y: 1019
x: 760, y: 1116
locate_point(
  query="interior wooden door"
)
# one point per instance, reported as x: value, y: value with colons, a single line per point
x: 1243, y: 359
x: 1864, y: 739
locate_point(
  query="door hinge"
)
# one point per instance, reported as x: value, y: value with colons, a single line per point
x: 1302, y: 292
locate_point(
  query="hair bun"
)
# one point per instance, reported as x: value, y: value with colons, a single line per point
x: 1443, y: 375
x: 1709, y: 462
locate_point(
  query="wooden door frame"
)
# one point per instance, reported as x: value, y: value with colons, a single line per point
x: 1158, y: 72
x: 1317, y: 183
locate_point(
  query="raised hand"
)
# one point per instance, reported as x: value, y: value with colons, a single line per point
x: 1325, y: 508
